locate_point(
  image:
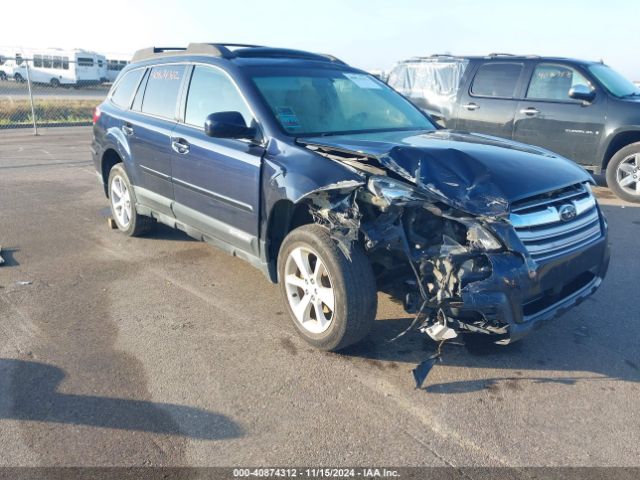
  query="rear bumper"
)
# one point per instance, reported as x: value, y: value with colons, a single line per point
x: 522, y: 298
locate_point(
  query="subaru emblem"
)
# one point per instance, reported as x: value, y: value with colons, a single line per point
x: 567, y: 212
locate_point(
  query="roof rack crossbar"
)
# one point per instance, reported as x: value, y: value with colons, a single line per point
x: 153, y: 51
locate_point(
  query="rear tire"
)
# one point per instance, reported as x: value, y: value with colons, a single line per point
x: 332, y: 300
x: 18, y: 78
x: 123, y: 204
x: 3, y: 77
x: 623, y: 173
x: 55, y: 83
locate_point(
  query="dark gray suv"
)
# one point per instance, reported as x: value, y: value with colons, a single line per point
x: 582, y: 110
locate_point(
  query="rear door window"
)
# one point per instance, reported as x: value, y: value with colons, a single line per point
x: 553, y: 82
x: 125, y: 88
x: 163, y: 87
x: 497, y: 80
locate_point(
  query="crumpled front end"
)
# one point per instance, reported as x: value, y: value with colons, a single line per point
x: 469, y: 272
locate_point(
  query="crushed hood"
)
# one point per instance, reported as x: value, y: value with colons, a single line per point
x: 479, y: 174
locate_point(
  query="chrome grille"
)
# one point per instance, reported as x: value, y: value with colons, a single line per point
x: 541, y: 228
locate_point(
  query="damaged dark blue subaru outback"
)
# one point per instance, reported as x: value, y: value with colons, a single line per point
x: 336, y: 187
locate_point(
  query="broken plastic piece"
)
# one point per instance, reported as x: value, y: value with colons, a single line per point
x: 24, y: 282
x: 439, y: 332
x: 112, y: 223
x: 422, y: 370
x: 1, y: 259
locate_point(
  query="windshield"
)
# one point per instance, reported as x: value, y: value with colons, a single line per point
x: 615, y: 83
x: 330, y: 102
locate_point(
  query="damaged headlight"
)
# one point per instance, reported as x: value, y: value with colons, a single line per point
x: 390, y: 190
x: 481, y: 238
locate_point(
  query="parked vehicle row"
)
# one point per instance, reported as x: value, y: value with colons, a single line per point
x: 583, y: 110
x: 337, y: 187
x: 58, y: 67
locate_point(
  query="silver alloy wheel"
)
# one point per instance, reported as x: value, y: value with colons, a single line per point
x: 121, y: 201
x: 309, y: 290
x: 628, y: 174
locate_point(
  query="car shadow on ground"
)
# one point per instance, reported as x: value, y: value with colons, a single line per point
x: 526, y: 360
x: 163, y: 232
x: 28, y: 391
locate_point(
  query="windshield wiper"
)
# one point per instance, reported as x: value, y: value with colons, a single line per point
x: 632, y: 94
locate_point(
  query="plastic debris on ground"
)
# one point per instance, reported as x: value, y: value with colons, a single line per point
x: 422, y: 370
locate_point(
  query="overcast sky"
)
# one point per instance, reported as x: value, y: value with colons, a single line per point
x: 371, y: 34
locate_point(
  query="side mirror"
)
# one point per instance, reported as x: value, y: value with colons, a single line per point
x: 582, y: 92
x: 228, y: 125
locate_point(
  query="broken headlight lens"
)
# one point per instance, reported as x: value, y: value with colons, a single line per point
x: 390, y: 190
x: 481, y: 238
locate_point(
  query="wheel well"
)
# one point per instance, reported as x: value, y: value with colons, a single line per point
x: 109, y: 159
x: 620, y: 141
x: 285, y: 216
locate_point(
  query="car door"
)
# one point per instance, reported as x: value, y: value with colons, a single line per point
x: 549, y: 118
x: 489, y: 104
x: 216, y: 180
x: 149, y: 126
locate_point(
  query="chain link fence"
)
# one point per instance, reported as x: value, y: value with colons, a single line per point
x: 49, y: 91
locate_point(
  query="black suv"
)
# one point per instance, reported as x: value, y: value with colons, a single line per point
x: 337, y: 187
x: 582, y: 110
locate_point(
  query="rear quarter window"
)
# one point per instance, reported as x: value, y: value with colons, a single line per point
x: 126, y: 87
x: 161, y: 94
x: 497, y: 80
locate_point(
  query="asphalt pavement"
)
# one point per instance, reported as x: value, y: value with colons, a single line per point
x: 164, y: 351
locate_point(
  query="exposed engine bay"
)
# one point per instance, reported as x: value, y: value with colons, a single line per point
x: 424, y: 252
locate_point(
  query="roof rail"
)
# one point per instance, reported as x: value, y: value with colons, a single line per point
x: 215, y: 49
x: 223, y: 50
x: 501, y: 54
x: 266, y: 52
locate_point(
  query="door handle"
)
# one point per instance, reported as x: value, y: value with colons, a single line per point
x: 180, y: 145
x: 471, y: 106
x: 127, y: 129
x: 531, y: 111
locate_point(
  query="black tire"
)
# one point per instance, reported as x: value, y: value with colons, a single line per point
x: 55, y: 83
x: 138, y: 224
x: 614, y: 175
x: 351, y: 279
x: 18, y: 78
x: 3, y: 77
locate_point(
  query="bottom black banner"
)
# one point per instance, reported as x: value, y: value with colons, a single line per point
x: 223, y: 473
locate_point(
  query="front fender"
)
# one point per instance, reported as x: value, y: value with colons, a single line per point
x: 292, y: 172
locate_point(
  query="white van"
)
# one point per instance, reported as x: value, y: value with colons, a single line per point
x: 115, y: 63
x: 53, y: 66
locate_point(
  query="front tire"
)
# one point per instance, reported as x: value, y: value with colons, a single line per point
x: 123, y: 204
x: 332, y: 300
x: 623, y: 173
x: 55, y: 83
